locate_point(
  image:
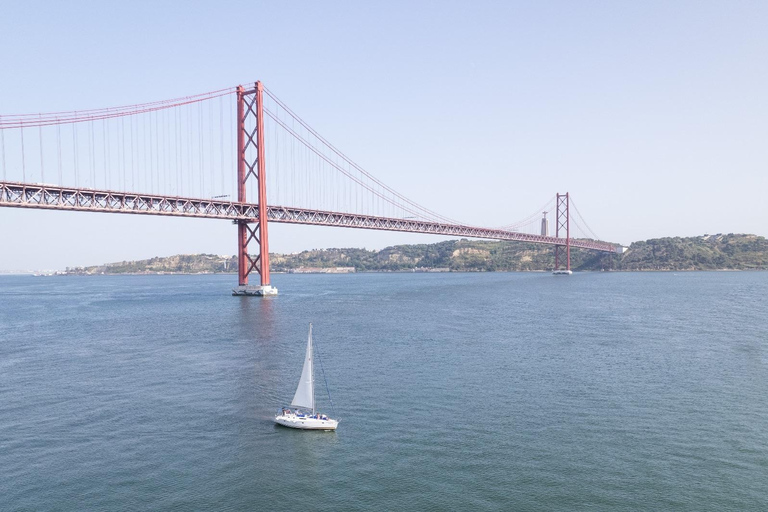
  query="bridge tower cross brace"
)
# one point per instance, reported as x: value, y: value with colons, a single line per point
x: 251, y: 164
x: 562, y: 222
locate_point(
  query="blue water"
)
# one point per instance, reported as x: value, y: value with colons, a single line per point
x: 599, y: 391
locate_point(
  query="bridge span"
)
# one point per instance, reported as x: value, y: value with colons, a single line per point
x: 51, y: 197
x: 170, y: 147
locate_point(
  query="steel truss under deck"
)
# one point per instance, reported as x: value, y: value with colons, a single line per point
x: 53, y: 197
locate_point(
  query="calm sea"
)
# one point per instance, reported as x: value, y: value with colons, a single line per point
x: 599, y: 391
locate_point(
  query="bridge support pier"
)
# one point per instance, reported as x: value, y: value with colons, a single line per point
x: 251, y: 163
x: 562, y: 222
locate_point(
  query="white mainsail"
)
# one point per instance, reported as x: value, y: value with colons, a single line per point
x: 305, y: 392
x: 305, y: 399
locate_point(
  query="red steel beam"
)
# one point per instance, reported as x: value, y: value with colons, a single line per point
x: 51, y: 197
x: 262, y: 179
x: 563, y: 221
x: 242, y: 234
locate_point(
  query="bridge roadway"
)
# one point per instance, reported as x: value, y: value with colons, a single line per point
x: 53, y: 197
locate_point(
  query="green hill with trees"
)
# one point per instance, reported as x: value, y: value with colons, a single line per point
x: 708, y: 252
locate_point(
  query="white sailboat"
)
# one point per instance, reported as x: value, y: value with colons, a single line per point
x: 304, y: 400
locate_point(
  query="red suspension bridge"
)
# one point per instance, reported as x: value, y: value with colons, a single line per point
x: 238, y: 154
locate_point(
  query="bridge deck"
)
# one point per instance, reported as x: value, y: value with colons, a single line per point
x: 52, y: 197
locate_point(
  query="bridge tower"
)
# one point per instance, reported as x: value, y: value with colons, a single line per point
x: 562, y: 223
x: 252, y: 164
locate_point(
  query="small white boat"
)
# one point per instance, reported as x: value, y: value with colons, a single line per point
x: 562, y: 272
x: 304, y: 416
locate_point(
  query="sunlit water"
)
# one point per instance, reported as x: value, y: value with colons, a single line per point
x: 601, y: 391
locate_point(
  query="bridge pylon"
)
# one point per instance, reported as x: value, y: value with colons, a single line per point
x: 563, y: 224
x: 252, y: 164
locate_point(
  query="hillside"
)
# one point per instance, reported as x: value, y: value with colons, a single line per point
x: 179, y: 264
x: 708, y: 252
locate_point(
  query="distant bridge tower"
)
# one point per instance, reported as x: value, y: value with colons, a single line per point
x: 563, y: 225
x: 544, y: 225
x: 251, y: 163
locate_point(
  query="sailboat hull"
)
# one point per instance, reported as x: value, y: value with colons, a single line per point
x: 305, y: 423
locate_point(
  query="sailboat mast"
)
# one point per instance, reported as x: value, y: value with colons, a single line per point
x: 312, y: 367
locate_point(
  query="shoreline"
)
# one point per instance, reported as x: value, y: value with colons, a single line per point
x: 69, y: 274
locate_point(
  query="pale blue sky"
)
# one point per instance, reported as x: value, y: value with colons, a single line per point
x: 653, y: 115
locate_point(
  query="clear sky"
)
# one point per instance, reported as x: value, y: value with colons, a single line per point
x: 653, y: 115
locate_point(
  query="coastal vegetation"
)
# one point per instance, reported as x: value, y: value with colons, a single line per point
x: 707, y: 252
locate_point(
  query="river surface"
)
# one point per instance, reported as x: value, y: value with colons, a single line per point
x: 503, y: 391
